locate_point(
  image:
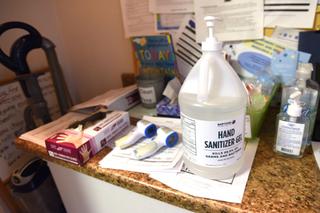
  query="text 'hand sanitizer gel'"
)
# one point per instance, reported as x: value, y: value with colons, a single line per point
x: 213, y: 104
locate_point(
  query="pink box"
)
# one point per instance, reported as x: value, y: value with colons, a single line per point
x: 79, y: 146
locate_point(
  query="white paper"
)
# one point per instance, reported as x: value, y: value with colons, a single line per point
x: 187, y: 50
x: 289, y: 13
x: 316, y: 152
x: 240, y: 20
x: 172, y: 90
x: 230, y: 190
x: 12, y: 124
x: 247, y: 133
x: 172, y: 123
x: 287, y: 37
x: 166, y: 159
x: 137, y: 20
x: 168, y: 22
x: 171, y: 6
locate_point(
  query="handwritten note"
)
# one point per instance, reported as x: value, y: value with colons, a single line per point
x: 12, y: 105
x: 240, y: 20
x: 12, y: 124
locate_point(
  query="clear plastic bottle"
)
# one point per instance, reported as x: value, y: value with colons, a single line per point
x: 309, y: 95
x: 292, y: 129
x: 213, y: 104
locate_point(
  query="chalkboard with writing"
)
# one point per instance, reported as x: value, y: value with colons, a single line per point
x: 12, y: 105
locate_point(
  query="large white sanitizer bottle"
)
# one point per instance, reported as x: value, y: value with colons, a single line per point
x: 213, y: 105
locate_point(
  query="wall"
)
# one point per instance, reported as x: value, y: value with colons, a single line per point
x: 95, y: 44
x: 43, y: 16
x: 89, y: 37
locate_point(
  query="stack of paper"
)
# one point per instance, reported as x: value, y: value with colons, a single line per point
x: 167, y: 167
x: 166, y: 160
x: 240, y: 20
x: 230, y: 190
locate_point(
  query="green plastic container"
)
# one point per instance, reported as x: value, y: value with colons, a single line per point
x: 257, y: 116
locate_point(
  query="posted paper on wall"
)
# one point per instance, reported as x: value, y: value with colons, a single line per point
x: 12, y: 105
x: 187, y: 50
x: 169, y: 22
x: 171, y: 6
x: 240, y: 20
x: 137, y: 20
x: 289, y: 13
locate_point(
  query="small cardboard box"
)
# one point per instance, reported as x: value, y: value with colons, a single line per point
x: 79, y: 146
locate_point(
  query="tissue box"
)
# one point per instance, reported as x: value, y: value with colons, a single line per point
x: 164, y: 108
x: 78, y: 147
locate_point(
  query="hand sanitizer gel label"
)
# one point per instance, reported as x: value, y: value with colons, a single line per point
x: 147, y: 94
x: 213, y: 143
x: 289, y: 138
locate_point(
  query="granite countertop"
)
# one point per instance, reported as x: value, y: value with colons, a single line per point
x: 276, y: 183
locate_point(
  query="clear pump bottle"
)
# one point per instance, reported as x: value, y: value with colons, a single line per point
x: 213, y: 104
x: 292, y: 129
x: 309, y: 94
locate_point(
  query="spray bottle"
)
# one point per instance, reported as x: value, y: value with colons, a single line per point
x: 213, y: 104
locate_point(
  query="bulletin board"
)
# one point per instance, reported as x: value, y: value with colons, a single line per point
x: 12, y: 105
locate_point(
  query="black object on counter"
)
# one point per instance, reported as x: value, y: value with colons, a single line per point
x: 309, y: 42
x: 34, y: 189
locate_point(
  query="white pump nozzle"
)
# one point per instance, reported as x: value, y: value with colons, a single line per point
x: 210, y: 22
x: 211, y: 43
x: 294, y: 108
x: 295, y: 95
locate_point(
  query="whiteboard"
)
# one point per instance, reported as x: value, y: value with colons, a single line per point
x: 12, y: 105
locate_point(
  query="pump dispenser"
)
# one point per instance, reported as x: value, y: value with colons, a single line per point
x: 213, y: 103
x: 292, y: 128
x: 309, y: 94
x: 211, y: 43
